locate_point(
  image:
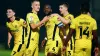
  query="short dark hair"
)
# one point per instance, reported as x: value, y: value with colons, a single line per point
x: 48, y: 5
x: 13, y: 9
x: 65, y: 4
x: 35, y: 1
x: 84, y: 8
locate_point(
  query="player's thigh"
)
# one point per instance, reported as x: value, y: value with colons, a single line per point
x: 47, y: 49
x: 69, y: 50
x: 30, y: 51
x: 16, y: 50
x: 36, y: 51
x: 48, y: 46
x: 78, y: 51
x: 69, y: 53
x: 88, y: 51
x: 23, y: 48
x: 31, y: 48
x: 79, y: 45
x: 55, y: 47
x: 84, y: 47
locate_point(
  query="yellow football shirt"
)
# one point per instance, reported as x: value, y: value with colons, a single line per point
x: 70, y: 47
x: 17, y: 30
x: 84, y: 24
x: 67, y: 17
x: 51, y: 28
x: 33, y: 34
x: 54, y: 42
x: 71, y: 17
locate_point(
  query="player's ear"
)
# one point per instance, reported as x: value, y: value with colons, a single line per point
x: 66, y: 9
x: 14, y: 13
x: 51, y: 10
x: 31, y: 6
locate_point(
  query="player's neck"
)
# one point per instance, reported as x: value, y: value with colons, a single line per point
x: 49, y: 14
x: 34, y: 11
x: 66, y: 13
x: 12, y: 18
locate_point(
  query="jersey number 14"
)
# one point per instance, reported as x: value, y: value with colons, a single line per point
x: 84, y: 32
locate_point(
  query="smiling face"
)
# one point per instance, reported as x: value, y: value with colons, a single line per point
x: 10, y: 13
x: 63, y: 9
x: 47, y: 9
x: 36, y: 5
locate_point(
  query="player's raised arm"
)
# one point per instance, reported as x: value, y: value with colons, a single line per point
x: 31, y: 17
x: 62, y: 19
x: 33, y: 25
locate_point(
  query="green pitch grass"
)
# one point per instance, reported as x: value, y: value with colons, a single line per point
x: 7, y: 53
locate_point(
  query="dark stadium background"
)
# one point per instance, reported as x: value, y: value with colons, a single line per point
x: 22, y: 7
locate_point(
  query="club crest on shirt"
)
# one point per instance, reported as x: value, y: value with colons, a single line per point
x: 15, y: 26
x: 31, y: 19
x: 69, y: 17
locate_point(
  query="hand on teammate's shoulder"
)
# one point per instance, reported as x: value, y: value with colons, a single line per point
x: 46, y: 18
x: 54, y: 14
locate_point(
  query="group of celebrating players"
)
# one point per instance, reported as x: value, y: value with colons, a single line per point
x: 59, y: 32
